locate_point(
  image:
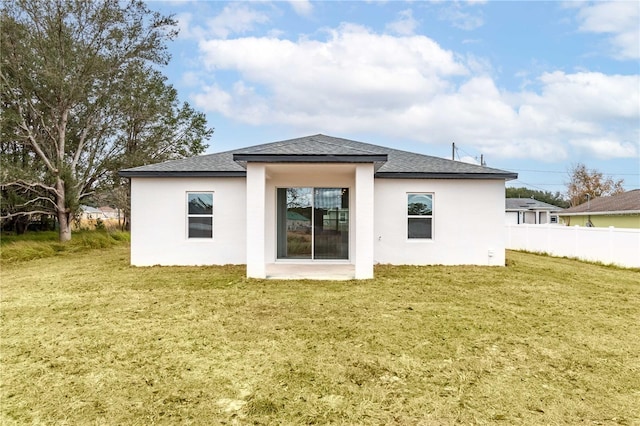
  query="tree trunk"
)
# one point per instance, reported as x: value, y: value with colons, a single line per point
x: 21, y: 225
x: 64, y: 232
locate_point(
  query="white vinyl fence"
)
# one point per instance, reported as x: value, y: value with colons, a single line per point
x: 620, y: 246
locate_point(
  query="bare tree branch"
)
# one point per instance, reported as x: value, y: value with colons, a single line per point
x: 33, y: 142
x: 37, y: 199
x: 29, y: 213
x: 31, y: 186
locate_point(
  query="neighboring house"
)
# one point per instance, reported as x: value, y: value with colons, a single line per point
x: 297, y: 222
x: 620, y: 211
x: 530, y: 211
x: 110, y: 212
x: 364, y: 203
x: 91, y: 213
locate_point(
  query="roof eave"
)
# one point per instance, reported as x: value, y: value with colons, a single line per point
x: 180, y: 173
x: 531, y: 209
x: 447, y: 175
x: 601, y: 213
x: 310, y: 158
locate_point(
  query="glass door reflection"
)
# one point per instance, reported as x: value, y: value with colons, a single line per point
x: 312, y: 223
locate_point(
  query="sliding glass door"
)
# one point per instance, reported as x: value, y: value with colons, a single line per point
x: 313, y: 223
x: 295, y: 219
x: 331, y: 223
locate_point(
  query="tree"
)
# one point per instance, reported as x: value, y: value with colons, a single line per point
x: 19, y: 162
x: 545, y: 196
x: 585, y: 184
x: 155, y: 128
x: 65, y: 78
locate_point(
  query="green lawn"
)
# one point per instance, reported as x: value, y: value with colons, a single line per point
x: 87, y: 339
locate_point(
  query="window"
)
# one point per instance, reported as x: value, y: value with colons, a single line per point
x: 200, y: 215
x: 419, y: 216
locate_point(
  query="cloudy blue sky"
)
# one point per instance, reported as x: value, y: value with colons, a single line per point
x: 533, y: 86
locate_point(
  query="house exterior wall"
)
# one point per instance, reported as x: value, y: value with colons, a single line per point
x: 468, y: 218
x: 530, y: 217
x: 546, y: 216
x: 159, y: 222
x: 511, y: 217
x: 603, y: 221
x: 468, y: 222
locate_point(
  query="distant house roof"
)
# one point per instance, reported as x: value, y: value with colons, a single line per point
x: 291, y: 215
x: 89, y: 209
x: 389, y: 163
x: 523, y: 204
x: 624, y: 203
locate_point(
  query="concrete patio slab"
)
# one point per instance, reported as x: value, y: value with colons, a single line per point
x: 315, y: 271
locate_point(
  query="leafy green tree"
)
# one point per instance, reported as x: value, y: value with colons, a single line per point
x: 68, y: 73
x: 545, y: 196
x: 15, y: 204
x: 18, y: 161
x: 155, y: 128
x: 587, y: 183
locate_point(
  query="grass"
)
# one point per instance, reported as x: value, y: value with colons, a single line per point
x: 39, y: 245
x: 87, y: 339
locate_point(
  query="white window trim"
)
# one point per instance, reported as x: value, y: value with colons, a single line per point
x: 187, y: 216
x: 408, y: 216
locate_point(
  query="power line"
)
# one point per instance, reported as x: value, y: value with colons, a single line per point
x: 537, y: 187
x: 475, y: 157
x: 567, y: 172
x: 555, y: 184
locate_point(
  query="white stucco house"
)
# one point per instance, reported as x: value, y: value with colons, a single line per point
x: 530, y: 211
x: 317, y: 201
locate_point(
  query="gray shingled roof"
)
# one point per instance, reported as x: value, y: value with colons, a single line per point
x: 321, y: 148
x: 626, y: 202
x: 518, y: 204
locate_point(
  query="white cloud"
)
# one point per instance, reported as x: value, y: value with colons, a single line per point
x: 620, y: 20
x: 592, y: 95
x: 404, y: 25
x: 186, y: 28
x: 607, y: 148
x: 191, y: 79
x: 235, y: 18
x: 411, y: 88
x: 302, y: 7
x: 468, y: 159
x: 467, y: 21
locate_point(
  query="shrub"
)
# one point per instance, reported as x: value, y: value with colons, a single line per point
x: 100, y: 225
